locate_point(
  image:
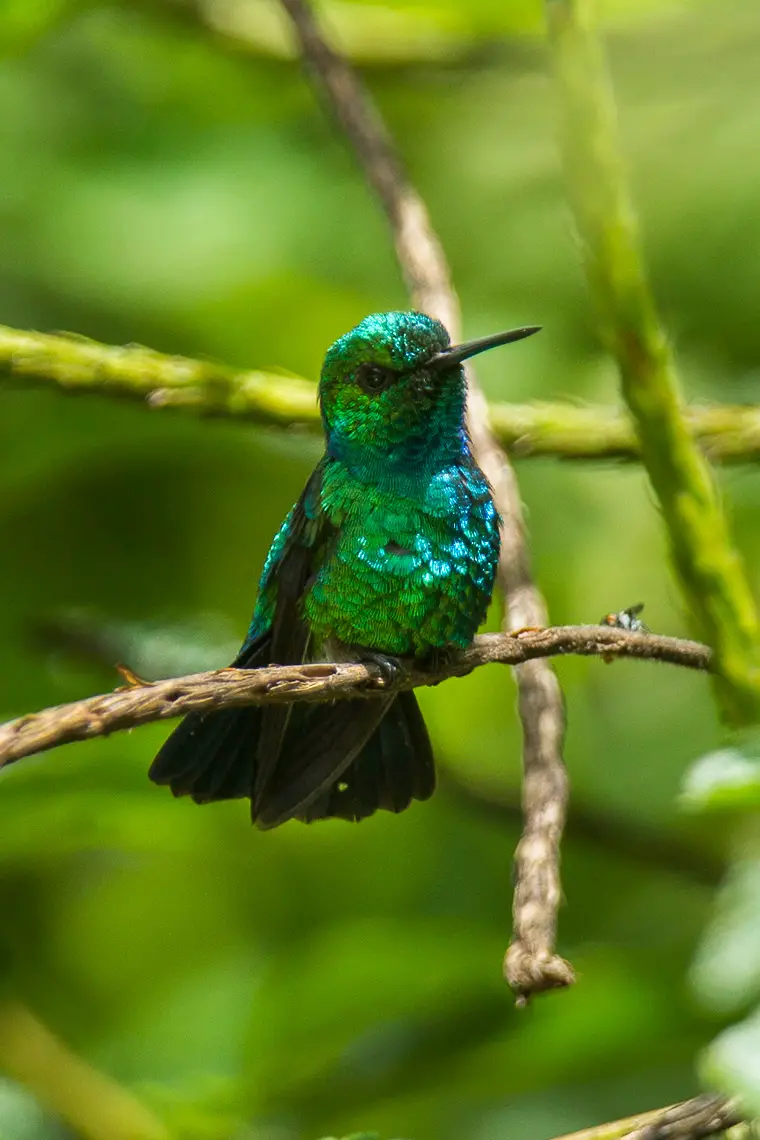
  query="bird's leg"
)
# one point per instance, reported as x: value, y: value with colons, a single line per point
x: 391, y: 668
x: 439, y: 657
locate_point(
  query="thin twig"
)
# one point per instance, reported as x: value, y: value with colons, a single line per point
x: 531, y: 964
x: 134, y: 705
x: 717, y: 592
x: 690, y: 1120
x: 420, y: 256
x: 726, y: 433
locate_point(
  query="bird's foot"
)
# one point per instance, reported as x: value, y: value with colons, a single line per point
x: 391, y: 669
x: 526, y: 629
x: 438, y: 658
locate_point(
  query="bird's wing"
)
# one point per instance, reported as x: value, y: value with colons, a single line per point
x: 305, y: 543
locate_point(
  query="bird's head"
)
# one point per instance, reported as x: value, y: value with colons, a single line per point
x: 396, y: 378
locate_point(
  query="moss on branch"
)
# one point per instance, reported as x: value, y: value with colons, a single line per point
x: 728, y: 433
x: 77, y: 364
x: 718, y: 598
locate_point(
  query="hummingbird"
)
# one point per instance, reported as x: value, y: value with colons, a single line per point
x: 390, y: 552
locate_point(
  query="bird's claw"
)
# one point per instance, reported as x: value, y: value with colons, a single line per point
x: 439, y: 658
x: 390, y: 667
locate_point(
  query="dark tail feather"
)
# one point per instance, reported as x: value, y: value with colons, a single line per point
x: 341, y: 760
x: 394, y: 767
x: 318, y: 748
x: 212, y: 756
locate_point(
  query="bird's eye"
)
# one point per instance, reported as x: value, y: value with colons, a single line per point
x: 374, y: 378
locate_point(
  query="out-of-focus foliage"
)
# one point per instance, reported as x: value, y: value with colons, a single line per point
x: 726, y: 971
x: 398, y: 32
x: 160, y: 187
x: 729, y: 777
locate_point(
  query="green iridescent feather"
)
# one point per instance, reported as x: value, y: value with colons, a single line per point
x: 412, y: 558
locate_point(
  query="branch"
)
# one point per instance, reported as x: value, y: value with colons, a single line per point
x: 726, y: 433
x: 77, y: 364
x: 690, y: 1120
x: 134, y: 705
x: 531, y: 964
x: 99, y: 643
x: 716, y: 589
x: 702, y: 1116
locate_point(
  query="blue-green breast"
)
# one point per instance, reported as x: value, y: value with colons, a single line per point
x: 413, y: 562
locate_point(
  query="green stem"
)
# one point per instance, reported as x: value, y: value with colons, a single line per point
x: 96, y: 1107
x: 77, y: 364
x: 719, y: 601
x: 727, y: 433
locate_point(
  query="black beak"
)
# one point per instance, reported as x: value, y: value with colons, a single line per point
x: 450, y: 357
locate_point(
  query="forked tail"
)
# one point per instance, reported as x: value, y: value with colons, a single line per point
x: 342, y: 760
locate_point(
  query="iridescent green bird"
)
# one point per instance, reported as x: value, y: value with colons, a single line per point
x: 390, y: 551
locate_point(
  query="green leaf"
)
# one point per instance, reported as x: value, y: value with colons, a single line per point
x: 732, y: 1062
x: 726, y: 971
x: 728, y: 778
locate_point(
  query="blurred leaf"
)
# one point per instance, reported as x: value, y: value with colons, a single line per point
x: 726, y: 971
x: 20, y: 1115
x: 732, y: 1062
x: 151, y: 649
x: 728, y: 778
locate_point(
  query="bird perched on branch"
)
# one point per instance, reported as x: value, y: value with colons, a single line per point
x: 390, y: 551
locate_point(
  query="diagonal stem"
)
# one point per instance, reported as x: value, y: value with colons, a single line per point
x: 717, y: 594
x: 94, y: 1105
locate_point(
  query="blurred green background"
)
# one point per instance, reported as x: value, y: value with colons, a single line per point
x: 168, y: 179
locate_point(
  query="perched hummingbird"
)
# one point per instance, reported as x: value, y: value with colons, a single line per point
x: 390, y: 551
